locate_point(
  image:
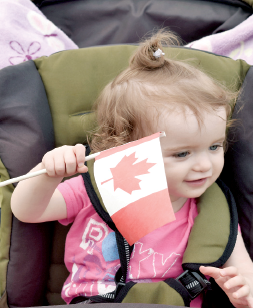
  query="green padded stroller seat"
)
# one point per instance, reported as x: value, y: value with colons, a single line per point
x: 47, y: 103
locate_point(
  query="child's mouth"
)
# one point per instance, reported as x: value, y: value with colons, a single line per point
x: 198, y: 182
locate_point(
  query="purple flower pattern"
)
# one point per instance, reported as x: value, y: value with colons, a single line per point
x: 23, y: 55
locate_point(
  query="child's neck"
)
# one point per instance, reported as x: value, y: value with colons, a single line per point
x: 178, y: 204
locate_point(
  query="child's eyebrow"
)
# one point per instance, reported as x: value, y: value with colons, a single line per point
x: 220, y: 139
x: 179, y: 148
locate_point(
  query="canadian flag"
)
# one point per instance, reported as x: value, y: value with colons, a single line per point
x: 132, y: 183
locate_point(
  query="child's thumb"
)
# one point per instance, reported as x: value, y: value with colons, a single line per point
x: 81, y: 168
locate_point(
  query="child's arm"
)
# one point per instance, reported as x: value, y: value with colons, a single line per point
x: 37, y: 199
x: 236, y: 276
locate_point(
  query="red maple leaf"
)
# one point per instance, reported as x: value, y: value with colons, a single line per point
x: 125, y: 172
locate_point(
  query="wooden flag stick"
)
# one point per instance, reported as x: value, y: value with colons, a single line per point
x: 36, y: 173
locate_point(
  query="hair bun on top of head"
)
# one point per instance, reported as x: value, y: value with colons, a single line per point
x: 150, y: 53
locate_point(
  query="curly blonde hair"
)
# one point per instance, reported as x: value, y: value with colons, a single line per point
x: 125, y: 105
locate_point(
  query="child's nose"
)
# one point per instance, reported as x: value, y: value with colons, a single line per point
x: 202, y: 163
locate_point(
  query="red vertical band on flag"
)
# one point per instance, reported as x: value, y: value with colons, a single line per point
x: 111, y: 151
x: 144, y: 216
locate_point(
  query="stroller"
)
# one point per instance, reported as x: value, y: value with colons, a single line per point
x: 47, y: 103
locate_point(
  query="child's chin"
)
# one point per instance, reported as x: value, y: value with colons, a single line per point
x: 196, y: 193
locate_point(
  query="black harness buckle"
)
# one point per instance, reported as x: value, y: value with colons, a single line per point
x: 193, y: 283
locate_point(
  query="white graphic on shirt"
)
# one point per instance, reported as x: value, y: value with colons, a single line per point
x: 91, y: 287
x: 92, y: 274
x: 66, y: 289
x: 166, y: 264
x: 95, y: 231
x: 148, y: 258
x: 74, y: 270
x: 105, y: 287
x: 141, y: 256
x: 85, y: 288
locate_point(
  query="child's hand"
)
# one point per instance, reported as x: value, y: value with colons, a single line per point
x: 65, y: 161
x: 237, y: 287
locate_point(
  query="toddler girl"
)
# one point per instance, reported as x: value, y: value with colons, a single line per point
x: 153, y: 94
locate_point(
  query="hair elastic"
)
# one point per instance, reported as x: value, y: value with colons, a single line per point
x: 158, y: 53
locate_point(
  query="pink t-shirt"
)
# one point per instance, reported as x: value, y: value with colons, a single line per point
x: 91, y: 254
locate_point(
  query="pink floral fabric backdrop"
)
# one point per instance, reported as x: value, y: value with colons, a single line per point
x: 26, y: 34
x: 236, y: 43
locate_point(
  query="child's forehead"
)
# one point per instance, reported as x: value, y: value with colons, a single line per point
x: 187, y: 118
x: 184, y: 126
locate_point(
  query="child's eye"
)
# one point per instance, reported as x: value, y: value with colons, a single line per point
x: 180, y: 155
x: 215, y: 147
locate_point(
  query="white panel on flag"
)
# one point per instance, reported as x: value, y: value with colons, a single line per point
x: 152, y: 182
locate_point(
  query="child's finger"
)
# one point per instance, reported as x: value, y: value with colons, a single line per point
x: 49, y: 163
x: 229, y: 271
x: 49, y: 166
x: 59, y: 165
x: 250, y: 302
x: 214, y: 272
x: 242, y: 292
x: 234, y: 282
x: 70, y: 161
x: 79, y: 151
